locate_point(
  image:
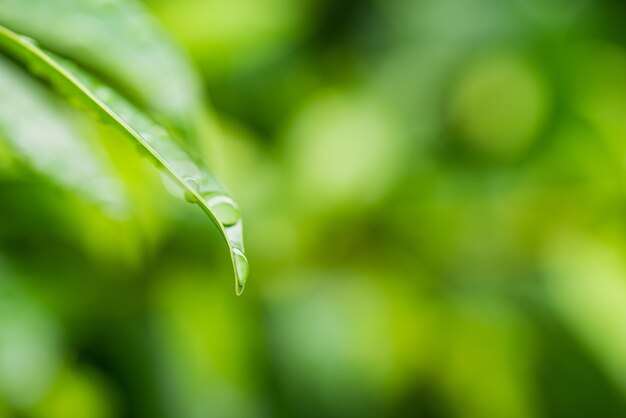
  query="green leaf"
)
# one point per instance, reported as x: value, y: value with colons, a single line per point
x: 117, y: 40
x: 197, y: 182
x: 38, y: 130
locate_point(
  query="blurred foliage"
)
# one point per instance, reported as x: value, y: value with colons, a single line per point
x: 434, y: 193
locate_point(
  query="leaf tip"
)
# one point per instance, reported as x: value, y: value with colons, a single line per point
x: 242, y: 269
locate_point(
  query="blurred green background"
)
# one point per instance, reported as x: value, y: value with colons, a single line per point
x: 434, y: 194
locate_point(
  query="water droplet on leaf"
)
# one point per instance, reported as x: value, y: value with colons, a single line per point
x: 188, y: 195
x: 225, y: 209
x: 104, y: 93
x: 240, y: 263
x: 28, y: 40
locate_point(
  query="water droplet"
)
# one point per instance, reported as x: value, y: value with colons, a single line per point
x: 104, y: 93
x: 225, y: 209
x: 242, y: 269
x: 28, y: 40
x: 193, y: 184
x: 159, y: 131
x: 189, y: 197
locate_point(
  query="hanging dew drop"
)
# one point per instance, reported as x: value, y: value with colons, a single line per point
x: 225, y: 209
x: 240, y: 262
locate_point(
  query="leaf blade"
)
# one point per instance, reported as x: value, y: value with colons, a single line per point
x: 198, y: 183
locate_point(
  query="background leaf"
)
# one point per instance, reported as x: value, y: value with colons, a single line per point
x: 118, y: 40
x: 42, y: 133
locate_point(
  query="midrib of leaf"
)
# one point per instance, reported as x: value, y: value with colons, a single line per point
x: 199, y: 185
